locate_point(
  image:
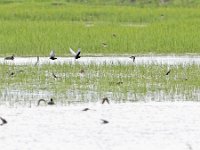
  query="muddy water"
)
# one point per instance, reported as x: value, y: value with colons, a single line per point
x: 170, y: 60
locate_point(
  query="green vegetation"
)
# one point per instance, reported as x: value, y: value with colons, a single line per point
x: 140, y: 3
x: 130, y: 27
x: 99, y: 27
x: 92, y: 82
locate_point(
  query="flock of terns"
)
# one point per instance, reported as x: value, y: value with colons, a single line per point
x: 76, y: 55
x: 52, y: 56
x: 51, y: 102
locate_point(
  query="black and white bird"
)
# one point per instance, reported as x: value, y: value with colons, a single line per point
x: 133, y: 58
x: 104, y: 121
x: 52, y: 55
x: 10, y: 57
x: 51, y: 102
x: 77, y: 54
x: 3, y: 121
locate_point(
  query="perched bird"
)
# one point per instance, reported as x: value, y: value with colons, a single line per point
x: 168, y: 72
x: 52, y: 55
x: 51, y: 102
x: 105, y: 99
x: 86, y: 109
x: 133, y: 58
x: 77, y: 54
x: 104, y: 121
x: 3, y: 121
x: 10, y: 57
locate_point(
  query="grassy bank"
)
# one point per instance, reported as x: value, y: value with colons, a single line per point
x: 92, y: 82
x: 34, y: 28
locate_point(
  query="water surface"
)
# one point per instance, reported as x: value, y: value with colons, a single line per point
x: 140, y: 126
x: 170, y: 60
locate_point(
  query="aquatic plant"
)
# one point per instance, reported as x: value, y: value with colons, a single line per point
x: 117, y: 82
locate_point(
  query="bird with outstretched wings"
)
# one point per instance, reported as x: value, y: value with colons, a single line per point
x: 75, y: 54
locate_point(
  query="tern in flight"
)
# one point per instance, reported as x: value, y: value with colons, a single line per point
x: 52, y: 55
x: 3, y: 121
x: 104, y: 121
x: 105, y: 99
x: 77, y: 54
x: 133, y: 58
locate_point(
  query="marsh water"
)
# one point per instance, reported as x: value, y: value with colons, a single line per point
x: 12, y: 96
x: 170, y: 60
x: 141, y: 126
x: 153, y: 120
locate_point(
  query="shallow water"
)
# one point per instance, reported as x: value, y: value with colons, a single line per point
x: 170, y: 60
x: 141, y: 126
x: 18, y: 98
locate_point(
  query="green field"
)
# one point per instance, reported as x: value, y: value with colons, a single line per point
x: 31, y: 28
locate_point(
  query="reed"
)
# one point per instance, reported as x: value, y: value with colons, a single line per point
x: 120, y: 82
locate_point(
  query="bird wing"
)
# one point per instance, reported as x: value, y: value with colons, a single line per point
x: 3, y: 121
x: 52, y: 54
x: 72, y: 52
x: 78, y: 52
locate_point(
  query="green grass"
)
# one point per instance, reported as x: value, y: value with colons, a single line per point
x: 34, y: 28
x: 118, y: 82
x: 140, y: 3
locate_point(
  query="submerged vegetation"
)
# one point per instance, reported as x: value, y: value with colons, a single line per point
x: 99, y: 27
x: 68, y: 83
